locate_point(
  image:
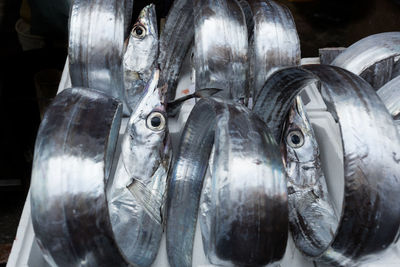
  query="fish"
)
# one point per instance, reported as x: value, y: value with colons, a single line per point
x: 370, y: 144
x: 274, y: 43
x: 312, y: 216
x: 137, y: 193
x: 390, y: 95
x: 72, y: 163
x: 277, y: 95
x: 141, y: 54
x: 372, y: 58
x: 175, y: 42
x: 95, y: 50
x: 221, y: 48
x: 248, y: 199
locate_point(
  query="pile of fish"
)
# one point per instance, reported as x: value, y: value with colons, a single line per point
x: 248, y: 161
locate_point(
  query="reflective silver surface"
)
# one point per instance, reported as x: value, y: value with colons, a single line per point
x: 277, y: 96
x: 274, y: 42
x: 73, y: 155
x: 175, y: 41
x: 136, y: 196
x: 390, y: 95
x: 372, y: 57
x: 312, y: 216
x: 220, y: 48
x: 96, y: 39
x: 248, y: 199
x: 370, y: 215
x: 141, y: 54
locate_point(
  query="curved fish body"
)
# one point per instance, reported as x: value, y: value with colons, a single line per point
x: 136, y: 196
x: 248, y: 15
x: 311, y: 212
x: 370, y: 155
x: 278, y: 94
x: 372, y: 58
x: 140, y: 58
x: 245, y: 219
x: 175, y: 41
x: 96, y: 41
x: 274, y: 43
x: 221, y: 48
x: 73, y: 155
x: 390, y: 95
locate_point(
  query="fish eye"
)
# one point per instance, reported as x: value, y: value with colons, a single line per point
x: 295, y: 139
x: 139, y: 31
x: 156, y: 121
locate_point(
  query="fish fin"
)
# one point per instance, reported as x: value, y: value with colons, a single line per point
x: 206, y: 92
x: 149, y: 201
x: 173, y: 107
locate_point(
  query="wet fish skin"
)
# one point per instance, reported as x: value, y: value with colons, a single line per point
x: 274, y: 43
x: 174, y: 106
x: 225, y: 121
x: 311, y: 212
x: 175, y: 41
x: 221, y: 48
x: 137, y: 194
x: 378, y: 49
x: 363, y: 121
x: 95, y: 50
x: 277, y: 95
x: 390, y: 95
x: 141, y: 54
x: 73, y: 155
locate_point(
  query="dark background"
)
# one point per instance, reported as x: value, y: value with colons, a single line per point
x: 29, y: 79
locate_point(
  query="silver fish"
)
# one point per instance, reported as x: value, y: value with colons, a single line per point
x: 175, y: 41
x: 140, y: 58
x: 312, y: 217
x: 371, y: 149
x: 73, y: 155
x: 96, y: 40
x: 248, y: 207
x: 277, y: 95
x: 136, y: 196
x: 274, y: 44
x: 372, y: 57
x: 220, y: 48
x: 390, y: 95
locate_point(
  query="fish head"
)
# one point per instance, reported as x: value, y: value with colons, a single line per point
x: 142, y: 49
x: 300, y: 148
x: 146, y: 144
x: 149, y: 120
x: 146, y: 24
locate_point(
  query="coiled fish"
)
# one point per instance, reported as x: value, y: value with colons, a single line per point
x: 73, y: 155
x: 248, y: 196
x: 140, y: 58
x: 390, y: 95
x: 175, y: 41
x: 136, y: 196
x: 370, y: 162
x: 221, y: 48
x: 373, y: 58
x: 274, y: 43
x: 97, y: 31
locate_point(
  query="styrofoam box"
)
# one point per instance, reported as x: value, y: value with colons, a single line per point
x: 25, y: 251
